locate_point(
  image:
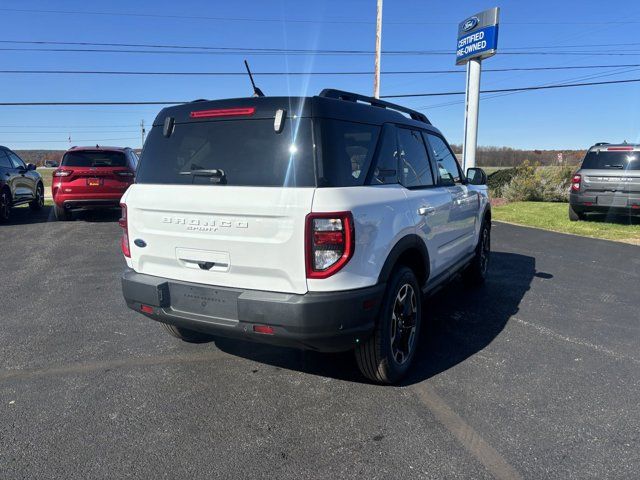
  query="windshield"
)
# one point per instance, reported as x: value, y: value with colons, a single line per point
x: 94, y: 159
x: 236, y: 152
x: 612, y: 160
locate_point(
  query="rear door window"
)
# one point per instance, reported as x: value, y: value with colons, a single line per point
x: 385, y: 167
x: 230, y: 152
x: 605, y: 160
x: 347, y: 150
x: 447, y: 166
x: 4, y: 160
x: 94, y: 159
x: 415, y: 170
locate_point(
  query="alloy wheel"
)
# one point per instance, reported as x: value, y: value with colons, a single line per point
x: 403, y: 324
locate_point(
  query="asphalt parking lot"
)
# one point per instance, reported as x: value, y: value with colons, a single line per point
x: 536, y: 375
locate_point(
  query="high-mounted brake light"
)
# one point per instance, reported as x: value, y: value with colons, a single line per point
x: 124, y: 240
x: 62, y: 173
x: 223, y: 112
x: 575, y: 182
x: 329, y: 242
x: 619, y: 149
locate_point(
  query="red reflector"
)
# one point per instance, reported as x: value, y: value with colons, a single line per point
x: 328, y: 238
x: 619, y: 149
x: 635, y: 206
x: 588, y: 204
x: 146, y: 309
x: 223, y: 112
x: 264, y: 329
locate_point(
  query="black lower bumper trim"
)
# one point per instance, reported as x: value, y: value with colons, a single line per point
x: 322, y: 321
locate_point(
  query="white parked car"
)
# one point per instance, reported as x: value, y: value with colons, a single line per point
x: 315, y: 222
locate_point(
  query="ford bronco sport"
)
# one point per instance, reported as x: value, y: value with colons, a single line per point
x: 608, y: 181
x: 315, y: 222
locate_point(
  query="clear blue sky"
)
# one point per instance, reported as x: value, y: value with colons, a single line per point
x: 564, y: 118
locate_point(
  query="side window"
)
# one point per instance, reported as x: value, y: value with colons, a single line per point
x: 385, y: 170
x: 4, y: 160
x: 16, y: 160
x: 415, y: 170
x: 444, y: 159
x: 347, y: 149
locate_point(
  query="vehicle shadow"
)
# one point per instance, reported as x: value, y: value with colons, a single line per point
x: 457, y: 323
x: 613, y: 218
x: 26, y: 216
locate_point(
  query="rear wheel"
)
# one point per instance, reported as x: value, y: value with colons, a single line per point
x: 5, y: 206
x: 38, y: 202
x: 574, y: 215
x: 186, y: 335
x: 387, y: 355
x: 62, y: 214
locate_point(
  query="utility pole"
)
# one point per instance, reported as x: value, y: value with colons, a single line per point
x: 142, y: 132
x: 376, y: 79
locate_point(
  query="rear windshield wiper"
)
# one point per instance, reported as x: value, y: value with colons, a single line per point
x: 203, y: 172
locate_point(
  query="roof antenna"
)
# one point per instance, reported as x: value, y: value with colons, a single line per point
x: 256, y: 91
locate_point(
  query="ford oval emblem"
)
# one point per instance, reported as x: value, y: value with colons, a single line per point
x: 140, y: 243
x: 470, y: 24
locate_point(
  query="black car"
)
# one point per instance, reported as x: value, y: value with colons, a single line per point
x: 19, y: 184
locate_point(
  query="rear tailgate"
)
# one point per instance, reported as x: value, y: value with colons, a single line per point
x: 620, y: 181
x: 228, y: 236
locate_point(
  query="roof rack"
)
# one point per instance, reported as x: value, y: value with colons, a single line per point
x: 374, y: 102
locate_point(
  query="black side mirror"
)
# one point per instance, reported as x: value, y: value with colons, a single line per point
x: 31, y: 166
x: 476, y: 176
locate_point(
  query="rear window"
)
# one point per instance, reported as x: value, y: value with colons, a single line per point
x: 604, y: 160
x: 230, y: 152
x: 94, y: 159
x: 347, y: 149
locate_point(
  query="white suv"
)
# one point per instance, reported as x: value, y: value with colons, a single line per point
x: 315, y: 222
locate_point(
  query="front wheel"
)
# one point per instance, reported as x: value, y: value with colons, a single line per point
x: 38, y: 202
x: 387, y: 355
x: 476, y: 272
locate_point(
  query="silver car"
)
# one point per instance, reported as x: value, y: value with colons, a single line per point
x: 608, y: 181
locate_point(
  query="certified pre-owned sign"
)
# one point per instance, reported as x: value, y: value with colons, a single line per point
x: 478, y: 36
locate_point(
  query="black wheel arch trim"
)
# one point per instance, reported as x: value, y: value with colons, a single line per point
x: 408, y: 242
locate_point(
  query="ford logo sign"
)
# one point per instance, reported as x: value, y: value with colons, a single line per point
x: 140, y: 243
x: 470, y: 24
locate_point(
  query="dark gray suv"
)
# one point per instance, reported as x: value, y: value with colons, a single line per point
x: 608, y: 181
x: 19, y: 184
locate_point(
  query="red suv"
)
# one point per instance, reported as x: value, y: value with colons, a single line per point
x: 92, y: 177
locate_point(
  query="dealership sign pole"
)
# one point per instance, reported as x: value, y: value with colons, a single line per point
x: 477, y: 39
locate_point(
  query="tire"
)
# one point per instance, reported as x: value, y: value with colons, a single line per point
x: 38, y: 202
x: 62, y: 214
x: 5, y: 206
x: 381, y: 358
x: 186, y: 335
x: 476, y: 272
x: 574, y: 216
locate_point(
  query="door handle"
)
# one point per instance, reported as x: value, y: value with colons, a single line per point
x: 426, y: 211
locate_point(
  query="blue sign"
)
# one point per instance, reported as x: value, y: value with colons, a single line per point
x: 482, y: 43
x: 478, y: 36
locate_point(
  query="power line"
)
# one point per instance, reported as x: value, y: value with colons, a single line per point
x: 330, y: 73
x: 520, y: 89
x: 89, y: 140
x: 301, y: 21
x: 38, y: 104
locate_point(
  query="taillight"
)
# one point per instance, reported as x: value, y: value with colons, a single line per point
x: 124, y: 241
x: 329, y: 243
x: 62, y: 173
x: 575, y: 183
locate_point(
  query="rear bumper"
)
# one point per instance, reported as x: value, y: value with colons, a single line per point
x: 74, y: 202
x: 322, y: 321
x: 605, y: 202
